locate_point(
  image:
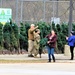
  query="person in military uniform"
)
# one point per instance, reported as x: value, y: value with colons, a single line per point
x: 36, y: 42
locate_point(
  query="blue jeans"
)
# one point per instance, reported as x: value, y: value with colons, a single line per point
x: 50, y: 53
x: 50, y: 50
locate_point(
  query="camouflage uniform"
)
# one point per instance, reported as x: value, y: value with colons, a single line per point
x: 36, y: 42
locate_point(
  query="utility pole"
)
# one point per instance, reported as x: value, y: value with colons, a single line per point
x: 1, y: 3
x: 17, y: 11
x: 21, y: 10
x: 44, y: 12
x: 57, y: 8
x: 53, y: 9
x: 70, y: 17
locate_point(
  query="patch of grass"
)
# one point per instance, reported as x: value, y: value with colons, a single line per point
x: 23, y: 61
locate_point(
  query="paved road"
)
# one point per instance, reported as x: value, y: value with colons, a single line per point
x: 62, y: 66
x: 38, y: 69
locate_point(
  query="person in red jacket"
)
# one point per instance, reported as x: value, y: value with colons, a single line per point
x: 51, y: 44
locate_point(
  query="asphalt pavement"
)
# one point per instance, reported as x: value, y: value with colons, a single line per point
x: 62, y: 66
x: 38, y: 69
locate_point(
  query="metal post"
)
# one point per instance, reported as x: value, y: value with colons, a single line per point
x: 21, y: 9
x: 57, y: 9
x: 53, y: 1
x: 1, y: 3
x: 70, y: 17
x: 17, y: 20
x: 53, y: 9
x: 44, y: 11
x: 16, y: 11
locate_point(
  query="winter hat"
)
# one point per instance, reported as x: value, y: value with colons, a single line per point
x: 73, y: 32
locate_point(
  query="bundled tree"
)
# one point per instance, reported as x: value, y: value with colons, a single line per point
x: 14, y: 37
x: 24, y: 36
x: 6, y: 35
x: 10, y: 34
x: 62, y: 32
x: 73, y: 27
x: 1, y: 36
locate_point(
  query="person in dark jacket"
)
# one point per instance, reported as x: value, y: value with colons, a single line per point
x: 71, y: 43
x: 51, y: 44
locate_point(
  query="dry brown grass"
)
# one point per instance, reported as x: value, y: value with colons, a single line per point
x: 23, y: 61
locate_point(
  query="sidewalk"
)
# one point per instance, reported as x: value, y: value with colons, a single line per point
x: 59, y: 57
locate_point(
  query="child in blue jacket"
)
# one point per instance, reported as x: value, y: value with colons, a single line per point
x: 71, y: 43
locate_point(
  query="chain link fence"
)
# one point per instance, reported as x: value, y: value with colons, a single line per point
x: 38, y: 10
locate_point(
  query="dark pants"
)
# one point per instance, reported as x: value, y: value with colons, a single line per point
x: 50, y: 53
x: 72, y: 52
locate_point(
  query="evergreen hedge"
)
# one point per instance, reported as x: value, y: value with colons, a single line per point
x: 14, y: 37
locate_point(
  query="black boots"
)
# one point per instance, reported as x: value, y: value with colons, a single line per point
x: 52, y: 58
x: 72, y: 56
x: 30, y: 55
x: 49, y: 60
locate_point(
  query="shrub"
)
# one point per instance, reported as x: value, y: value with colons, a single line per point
x: 12, y: 36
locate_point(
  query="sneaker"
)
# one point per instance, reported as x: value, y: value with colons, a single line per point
x: 30, y: 56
